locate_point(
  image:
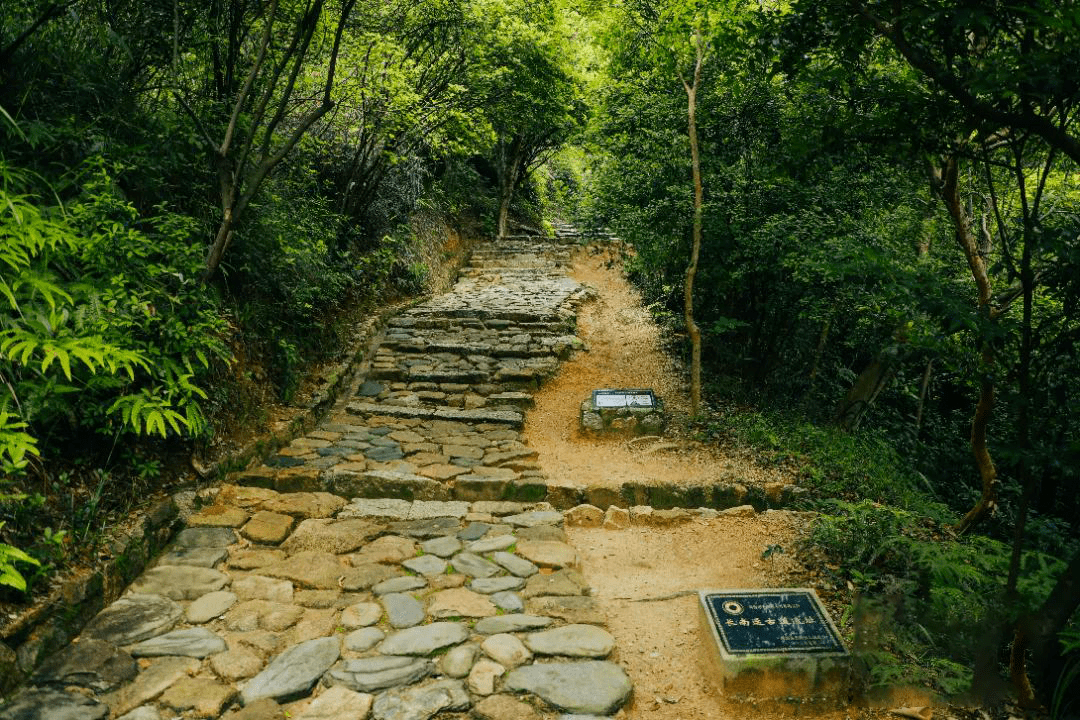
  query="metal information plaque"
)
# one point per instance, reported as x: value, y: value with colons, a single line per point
x: 626, y: 397
x: 771, y: 622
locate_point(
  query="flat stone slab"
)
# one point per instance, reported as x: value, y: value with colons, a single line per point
x: 294, y: 672
x: 486, y: 545
x: 547, y: 553
x: 589, y: 687
x: 89, y: 663
x: 421, y: 702
x: 363, y: 639
x: 425, y: 565
x: 511, y: 623
x: 338, y: 703
x: 361, y: 615
x: 506, y: 650
x: 534, y: 518
x: 474, y: 565
x: 387, y: 549
x: 425, y: 509
x: 562, y: 582
x: 573, y: 641
x: 513, y: 564
x: 443, y: 547
x: 150, y: 683
x: 304, y: 504
x: 200, y: 557
x: 405, y: 583
x: 180, y: 582
x: 378, y: 508
x: 332, y: 536
x: 205, y: 538
x: 490, y: 586
x: 188, y: 642
x: 133, y: 618
x: 459, y: 602
x: 210, y: 606
x: 268, y: 528
x: 402, y: 611
x: 380, y: 672
x: 424, y: 639
x: 49, y: 704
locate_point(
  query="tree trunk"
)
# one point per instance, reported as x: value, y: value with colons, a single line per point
x: 945, y: 181
x: 871, y: 381
x: 1037, y: 633
x: 691, y: 270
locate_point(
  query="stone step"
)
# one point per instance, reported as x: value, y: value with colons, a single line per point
x: 497, y: 417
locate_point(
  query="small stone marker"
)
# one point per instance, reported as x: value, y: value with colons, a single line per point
x: 622, y: 410
x: 772, y: 643
x: 624, y: 398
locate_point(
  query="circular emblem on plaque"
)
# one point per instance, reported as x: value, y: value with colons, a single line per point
x: 733, y: 608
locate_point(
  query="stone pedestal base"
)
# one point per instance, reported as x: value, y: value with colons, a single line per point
x: 622, y: 420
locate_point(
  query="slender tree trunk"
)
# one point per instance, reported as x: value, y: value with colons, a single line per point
x: 871, y: 381
x: 923, y: 389
x: 691, y: 271
x: 946, y: 182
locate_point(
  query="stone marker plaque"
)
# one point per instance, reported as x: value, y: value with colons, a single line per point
x: 772, y: 642
x: 636, y: 397
x: 763, y: 622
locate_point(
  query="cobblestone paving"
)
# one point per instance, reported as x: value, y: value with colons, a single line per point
x: 280, y: 599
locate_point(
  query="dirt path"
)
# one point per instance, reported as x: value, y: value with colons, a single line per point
x: 624, y: 350
x: 658, y: 640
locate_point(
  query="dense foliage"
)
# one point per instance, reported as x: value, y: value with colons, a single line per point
x: 888, y: 272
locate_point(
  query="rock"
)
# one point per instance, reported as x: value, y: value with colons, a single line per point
x: 473, y: 565
x: 218, y: 516
x: 49, y: 704
x: 205, y: 538
x: 546, y: 553
x: 473, y: 531
x: 236, y: 664
x: 88, y: 663
x: 200, y: 557
x: 425, y: 509
x: 363, y: 577
x: 506, y: 650
x: 202, y: 697
x: 264, y: 709
x: 572, y: 609
x: 210, y: 606
x: 486, y: 545
x: 294, y: 672
x: 588, y: 687
x: 317, y: 598
x: 379, y: 673
x: 256, y: 614
x: 421, y: 702
x: 483, y: 675
x: 331, y: 536
x: 268, y: 528
x: 387, y: 549
x: 405, y: 583
x: 179, y: 582
x: 255, y: 558
x: 244, y: 496
x: 498, y: 507
x: 150, y: 683
x: 739, y: 511
x: 364, y: 639
x: 510, y: 623
x: 403, y: 611
x: 146, y: 712
x: 616, y: 518
x: 587, y: 516
x: 562, y: 582
x: 458, y: 661
x: 573, y: 641
x: 425, y: 639
x: 305, y: 504
x: 426, y: 565
x: 381, y: 508
x: 314, y: 569
x: 258, y: 587
x: 188, y: 642
x: 133, y: 618
x: 443, y: 547
x: 434, y: 527
x: 504, y: 707
x: 514, y: 564
x: 488, y: 586
x: 338, y: 703
x: 509, y: 601
x: 361, y: 615
x: 534, y: 518
x: 459, y: 602
x: 541, y: 532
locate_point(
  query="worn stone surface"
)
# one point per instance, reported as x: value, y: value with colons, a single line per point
x: 51, y: 704
x: 263, y: 614
x: 90, y: 663
x: 268, y: 528
x: 294, y: 672
x: 264, y: 709
x: 588, y: 516
x: 573, y: 609
x: 133, y: 618
x: 424, y: 639
x: 205, y: 538
x: 402, y: 610
x: 483, y: 675
x: 473, y: 565
x: 589, y: 687
x: 236, y: 664
x: 218, y: 516
x: 180, y: 582
x: 310, y: 569
x: 562, y: 582
x: 259, y: 587
x: 573, y: 641
x: 331, y: 536
x: 616, y: 518
x: 458, y: 661
x: 158, y: 677
x: 511, y: 602
x: 200, y: 557
x: 379, y: 673
x: 547, y: 553
x: 338, y: 703
x: 425, y: 565
x: 489, y: 586
x: 459, y: 602
x: 387, y: 549
x: 421, y: 702
x: 187, y: 642
x: 405, y: 583
x: 534, y: 518
x: 210, y: 606
x: 361, y: 615
x: 506, y: 649
x: 305, y: 505
x: 363, y: 639
x: 491, y: 544
x: 510, y: 623
x: 443, y: 547
x: 201, y: 697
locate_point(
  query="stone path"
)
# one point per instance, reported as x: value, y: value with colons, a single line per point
x: 391, y: 564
